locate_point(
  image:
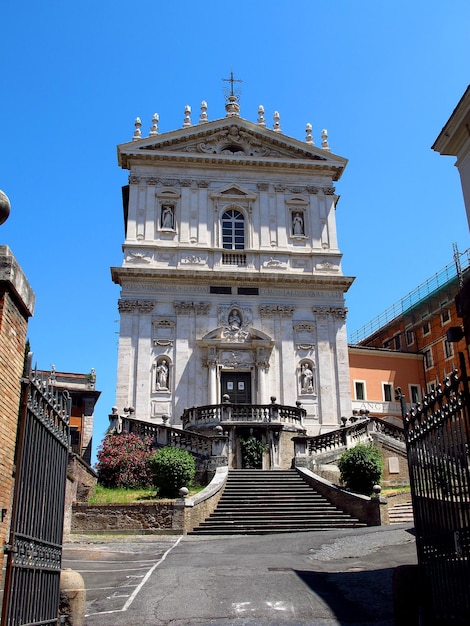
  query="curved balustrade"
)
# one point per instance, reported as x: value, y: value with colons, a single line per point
x: 245, y: 413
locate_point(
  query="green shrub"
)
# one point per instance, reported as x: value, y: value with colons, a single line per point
x: 124, y: 461
x: 172, y: 469
x: 361, y: 468
x: 252, y: 452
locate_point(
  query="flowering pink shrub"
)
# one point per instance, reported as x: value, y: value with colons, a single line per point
x: 124, y: 461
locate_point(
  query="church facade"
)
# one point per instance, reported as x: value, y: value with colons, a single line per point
x: 231, y: 283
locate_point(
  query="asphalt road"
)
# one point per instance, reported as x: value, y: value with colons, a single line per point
x: 314, y: 578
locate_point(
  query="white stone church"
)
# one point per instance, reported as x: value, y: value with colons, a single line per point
x: 232, y: 291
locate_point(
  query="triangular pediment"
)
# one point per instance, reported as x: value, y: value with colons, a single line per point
x: 230, y: 138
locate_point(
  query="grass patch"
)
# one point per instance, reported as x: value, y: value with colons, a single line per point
x: 105, y: 495
x: 393, y: 490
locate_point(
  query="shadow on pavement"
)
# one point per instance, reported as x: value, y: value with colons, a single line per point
x: 356, y: 597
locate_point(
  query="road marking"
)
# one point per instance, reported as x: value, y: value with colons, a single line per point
x: 132, y: 597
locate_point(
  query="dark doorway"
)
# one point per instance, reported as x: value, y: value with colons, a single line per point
x: 237, y: 385
x: 251, y: 447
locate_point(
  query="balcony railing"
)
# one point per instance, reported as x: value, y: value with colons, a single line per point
x: 242, y: 413
x: 234, y: 258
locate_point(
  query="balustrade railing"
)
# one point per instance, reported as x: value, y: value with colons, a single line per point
x: 249, y: 413
x: 164, y: 435
x: 348, y: 435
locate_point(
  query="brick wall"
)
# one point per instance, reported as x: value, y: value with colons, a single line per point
x: 16, y: 306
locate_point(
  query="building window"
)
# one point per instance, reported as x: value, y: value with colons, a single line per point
x: 397, y: 340
x: 248, y: 291
x: 216, y: 289
x: 360, y: 390
x: 426, y: 328
x: 445, y: 316
x: 414, y: 394
x: 386, y: 344
x: 448, y: 349
x: 428, y: 362
x: 387, y: 392
x: 410, y: 337
x: 233, y: 230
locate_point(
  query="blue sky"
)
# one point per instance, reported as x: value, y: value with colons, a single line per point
x: 382, y: 77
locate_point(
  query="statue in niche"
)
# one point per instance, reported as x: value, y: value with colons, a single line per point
x: 234, y: 320
x: 298, y: 224
x: 163, y: 375
x: 167, y: 216
x: 306, y: 378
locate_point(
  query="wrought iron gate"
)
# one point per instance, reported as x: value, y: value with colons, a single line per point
x: 437, y: 434
x: 34, y: 552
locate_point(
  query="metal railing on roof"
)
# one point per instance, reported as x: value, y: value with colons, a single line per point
x: 436, y: 281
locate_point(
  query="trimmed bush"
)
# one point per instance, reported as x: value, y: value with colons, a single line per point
x: 124, y: 461
x: 172, y: 469
x: 361, y: 468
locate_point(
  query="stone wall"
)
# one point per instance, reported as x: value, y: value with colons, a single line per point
x: 365, y: 509
x: 151, y: 517
x: 81, y: 481
x: 395, y: 461
x: 163, y: 516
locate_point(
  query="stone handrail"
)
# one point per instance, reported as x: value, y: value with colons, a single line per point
x: 386, y: 428
x: 227, y: 412
x: 164, y: 435
x: 359, y: 429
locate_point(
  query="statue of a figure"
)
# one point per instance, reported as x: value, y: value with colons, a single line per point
x: 306, y: 377
x: 162, y: 375
x: 234, y: 320
x: 297, y: 224
x: 167, y: 216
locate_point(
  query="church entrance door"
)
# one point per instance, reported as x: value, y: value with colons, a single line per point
x: 237, y: 385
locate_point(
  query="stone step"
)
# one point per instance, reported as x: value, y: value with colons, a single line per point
x: 401, y: 514
x: 262, y: 502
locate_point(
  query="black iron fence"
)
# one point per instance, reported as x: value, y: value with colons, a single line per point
x: 437, y: 435
x: 34, y: 551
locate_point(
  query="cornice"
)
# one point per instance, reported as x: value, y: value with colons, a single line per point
x: 225, y: 160
x: 266, y: 279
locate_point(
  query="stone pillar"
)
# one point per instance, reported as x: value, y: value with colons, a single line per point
x: 212, y: 396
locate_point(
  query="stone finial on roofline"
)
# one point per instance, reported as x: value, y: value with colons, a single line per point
x: 187, y: 116
x: 324, y: 140
x: 203, y: 117
x: 137, y: 132
x: 261, y: 120
x: 154, y: 127
x: 277, y: 124
x: 308, y: 132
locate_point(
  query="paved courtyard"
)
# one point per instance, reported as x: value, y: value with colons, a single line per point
x: 314, y: 578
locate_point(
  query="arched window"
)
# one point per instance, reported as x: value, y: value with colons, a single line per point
x: 233, y: 230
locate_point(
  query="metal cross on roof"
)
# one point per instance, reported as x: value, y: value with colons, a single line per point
x: 231, y: 80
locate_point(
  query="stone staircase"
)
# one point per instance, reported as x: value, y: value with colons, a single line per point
x: 401, y: 514
x: 256, y: 502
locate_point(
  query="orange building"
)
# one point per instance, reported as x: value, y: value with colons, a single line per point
x: 376, y: 374
x: 425, y: 321
x: 84, y: 396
